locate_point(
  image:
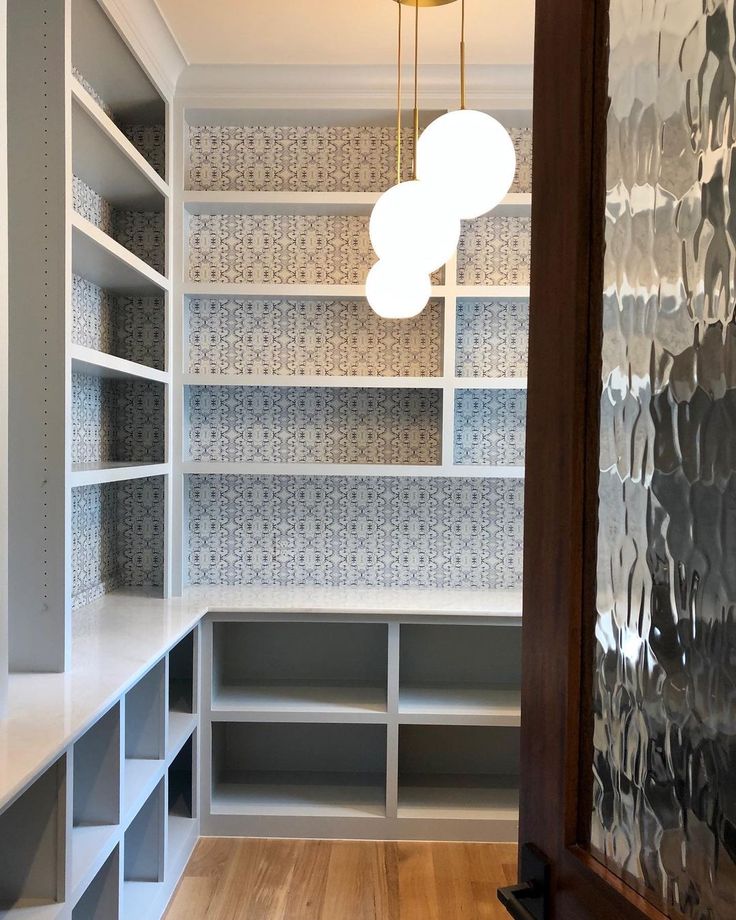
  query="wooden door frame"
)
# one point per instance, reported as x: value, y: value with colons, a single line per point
x: 570, y: 108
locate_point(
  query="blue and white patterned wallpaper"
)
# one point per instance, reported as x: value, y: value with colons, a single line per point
x: 313, y: 425
x: 314, y: 158
x: 117, y: 420
x: 490, y: 427
x: 127, y: 327
x: 280, y: 249
x: 149, y: 140
x: 492, y: 338
x: 117, y: 537
x: 310, y: 337
x: 141, y: 232
x: 371, y: 531
x: 495, y: 250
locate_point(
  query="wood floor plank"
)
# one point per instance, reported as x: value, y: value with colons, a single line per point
x: 239, y: 879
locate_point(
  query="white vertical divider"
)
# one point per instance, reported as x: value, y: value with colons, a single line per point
x: 392, y: 727
x: 3, y: 372
x: 448, y: 363
x: 39, y: 107
x: 204, y: 784
x: 176, y: 400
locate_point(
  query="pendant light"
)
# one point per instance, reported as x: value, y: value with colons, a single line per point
x: 467, y: 155
x: 411, y: 231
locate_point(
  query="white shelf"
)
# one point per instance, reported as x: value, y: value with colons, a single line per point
x: 490, y: 383
x: 90, y: 848
x: 183, y: 834
x: 459, y: 705
x: 100, y: 259
x: 98, y: 364
x: 336, y: 795
x: 26, y: 909
x: 459, y: 797
x: 316, y: 291
x: 299, y: 700
x: 324, y: 381
x: 107, y: 161
x: 91, y: 474
x: 181, y: 727
x: 140, y: 778
x: 223, y: 468
x: 361, y: 203
x: 493, y: 291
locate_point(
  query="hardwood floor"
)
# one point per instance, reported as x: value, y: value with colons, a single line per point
x: 236, y: 879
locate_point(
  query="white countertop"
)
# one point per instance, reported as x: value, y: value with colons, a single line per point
x: 117, y: 638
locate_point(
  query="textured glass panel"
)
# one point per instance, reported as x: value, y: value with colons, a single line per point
x: 664, y: 796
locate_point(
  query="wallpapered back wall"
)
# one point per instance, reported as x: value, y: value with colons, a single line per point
x: 311, y: 530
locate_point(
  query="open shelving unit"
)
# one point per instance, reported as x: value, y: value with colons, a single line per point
x: 338, y: 726
x: 106, y: 830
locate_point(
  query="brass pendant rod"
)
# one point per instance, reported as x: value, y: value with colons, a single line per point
x: 398, y: 105
x: 416, y: 83
x: 462, y: 56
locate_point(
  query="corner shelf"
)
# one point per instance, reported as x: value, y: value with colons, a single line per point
x: 90, y: 474
x: 317, y: 291
x: 459, y: 704
x: 223, y: 468
x: 460, y: 798
x: 102, y: 260
x: 320, y: 380
x: 106, y: 160
x: 99, y: 364
x: 317, y: 203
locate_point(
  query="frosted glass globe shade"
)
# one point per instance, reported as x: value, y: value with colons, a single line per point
x: 410, y: 224
x: 396, y: 290
x: 471, y: 157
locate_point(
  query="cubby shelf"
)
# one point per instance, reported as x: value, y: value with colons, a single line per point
x: 222, y: 468
x: 301, y: 794
x: 89, y: 474
x: 322, y: 380
x: 181, y: 727
x: 102, y: 260
x: 106, y: 160
x: 450, y: 704
x: 99, y: 364
x: 140, y: 778
x: 326, y: 203
x: 295, y: 700
x: 459, y: 797
x: 91, y: 846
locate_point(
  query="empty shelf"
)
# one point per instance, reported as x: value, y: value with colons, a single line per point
x: 454, y: 704
x: 181, y: 726
x: 140, y: 779
x: 88, y: 474
x: 337, y: 795
x: 301, y: 697
x: 459, y: 797
x: 90, y: 848
x: 99, y: 364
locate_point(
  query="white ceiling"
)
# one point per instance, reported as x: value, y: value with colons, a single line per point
x: 332, y: 32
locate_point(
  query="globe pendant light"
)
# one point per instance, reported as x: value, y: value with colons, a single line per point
x: 467, y: 155
x: 396, y: 290
x: 412, y: 234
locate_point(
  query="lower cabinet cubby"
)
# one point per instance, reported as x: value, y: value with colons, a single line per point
x: 460, y: 772
x: 101, y: 900
x: 95, y: 798
x: 299, y: 769
x: 182, y: 708
x: 466, y: 674
x: 333, y: 669
x: 143, y: 855
x: 181, y: 816
x: 144, y: 737
x: 32, y: 848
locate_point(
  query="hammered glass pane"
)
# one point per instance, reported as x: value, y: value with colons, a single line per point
x: 664, y: 793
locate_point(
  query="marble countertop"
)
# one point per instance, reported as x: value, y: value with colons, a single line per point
x: 117, y: 638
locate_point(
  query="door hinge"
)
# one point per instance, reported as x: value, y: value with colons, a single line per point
x: 529, y: 900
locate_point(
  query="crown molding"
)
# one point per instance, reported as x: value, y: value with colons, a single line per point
x: 276, y: 86
x: 143, y: 26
